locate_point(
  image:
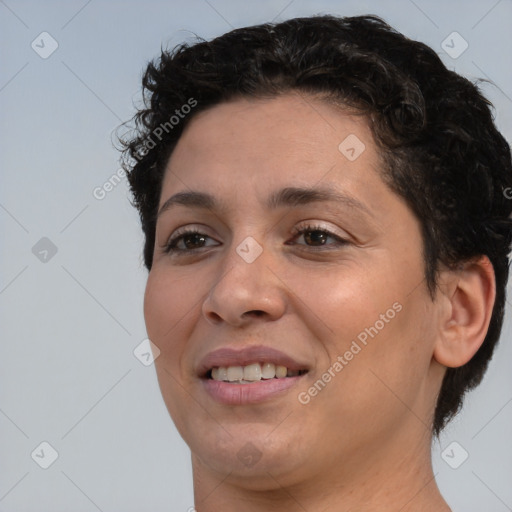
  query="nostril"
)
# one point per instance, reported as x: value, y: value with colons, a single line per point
x: 215, y: 317
x: 254, y: 312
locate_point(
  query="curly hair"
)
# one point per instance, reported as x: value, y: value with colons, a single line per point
x: 434, y: 130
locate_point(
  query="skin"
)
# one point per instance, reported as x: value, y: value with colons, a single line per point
x: 363, y: 442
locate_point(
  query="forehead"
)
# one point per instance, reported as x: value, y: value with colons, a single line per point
x: 289, y: 140
x: 300, y: 124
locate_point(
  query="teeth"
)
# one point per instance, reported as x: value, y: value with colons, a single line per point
x: 252, y: 372
x: 235, y: 373
x: 220, y: 373
x: 281, y: 372
x: 268, y: 370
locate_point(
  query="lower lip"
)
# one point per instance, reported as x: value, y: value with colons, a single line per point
x: 242, y: 394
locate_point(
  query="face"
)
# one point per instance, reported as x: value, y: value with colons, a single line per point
x: 279, y: 245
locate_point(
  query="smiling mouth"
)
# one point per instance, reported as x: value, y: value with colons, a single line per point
x: 251, y: 373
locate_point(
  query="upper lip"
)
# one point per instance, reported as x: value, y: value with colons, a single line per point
x: 245, y: 356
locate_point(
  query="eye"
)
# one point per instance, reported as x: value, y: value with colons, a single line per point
x: 187, y: 241
x: 317, y: 236
x: 192, y: 240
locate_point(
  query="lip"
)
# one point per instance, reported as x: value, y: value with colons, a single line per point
x: 246, y: 394
x: 248, y: 355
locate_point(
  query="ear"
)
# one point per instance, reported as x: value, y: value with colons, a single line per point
x: 467, y: 301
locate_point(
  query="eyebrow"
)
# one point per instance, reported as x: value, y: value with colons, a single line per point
x: 289, y: 196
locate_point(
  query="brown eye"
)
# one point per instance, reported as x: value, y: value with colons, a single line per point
x: 192, y: 240
x: 188, y: 241
x: 316, y: 236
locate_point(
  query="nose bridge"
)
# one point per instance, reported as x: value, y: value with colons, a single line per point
x: 246, y: 269
x: 246, y: 285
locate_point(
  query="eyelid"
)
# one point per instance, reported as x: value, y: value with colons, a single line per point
x: 319, y: 226
x: 189, y: 228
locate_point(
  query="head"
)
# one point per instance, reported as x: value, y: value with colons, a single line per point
x: 350, y: 106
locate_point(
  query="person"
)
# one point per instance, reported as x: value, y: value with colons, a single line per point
x: 327, y: 236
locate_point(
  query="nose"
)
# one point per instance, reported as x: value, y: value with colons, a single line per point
x: 245, y: 292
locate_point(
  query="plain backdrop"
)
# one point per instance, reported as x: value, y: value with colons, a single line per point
x: 72, y: 279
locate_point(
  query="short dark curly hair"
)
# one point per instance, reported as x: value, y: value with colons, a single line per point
x: 435, y: 132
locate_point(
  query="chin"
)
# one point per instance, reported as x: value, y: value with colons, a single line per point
x: 251, y: 455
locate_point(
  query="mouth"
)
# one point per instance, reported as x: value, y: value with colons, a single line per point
x: 250, y: 375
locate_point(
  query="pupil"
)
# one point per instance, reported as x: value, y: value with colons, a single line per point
x: 195, y: 238
x: 315, y: 237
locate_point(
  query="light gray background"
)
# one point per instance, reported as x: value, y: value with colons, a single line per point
x: 69, y: 325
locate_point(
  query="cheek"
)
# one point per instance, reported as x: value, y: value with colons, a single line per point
x: 391, y: 371
x: 157, y: 301
x: 381, y: 379
x: 168, y: 303
x: 344, y: 302
x: 382, y: 330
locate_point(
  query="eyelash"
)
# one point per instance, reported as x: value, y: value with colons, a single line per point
x: 170, y: 247
x: 312, y: 228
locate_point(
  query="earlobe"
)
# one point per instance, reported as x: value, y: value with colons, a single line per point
x: 467, y: 310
